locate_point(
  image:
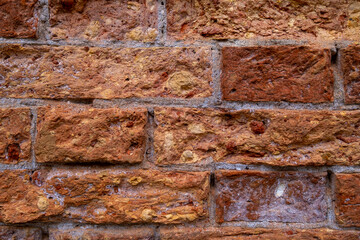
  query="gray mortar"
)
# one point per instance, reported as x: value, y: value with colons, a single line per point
x: 214, y: 101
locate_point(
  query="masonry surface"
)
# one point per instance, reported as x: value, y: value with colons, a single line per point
x: 179, y: 119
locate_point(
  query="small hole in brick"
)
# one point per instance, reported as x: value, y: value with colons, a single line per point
x: 13, y: 151
x: 233, y: 90
x: 212, y: 179
x: 334, y: 55
x: 6, y: 57
x: 127, y: 79
x: 162, y: 3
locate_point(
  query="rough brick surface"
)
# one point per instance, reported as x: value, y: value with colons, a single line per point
x: 68, y: 135
x: 307, y: 19
x: 101, y: 233
x: 18, y: 19
x: 21, y: 233
x: 83, y: 72
x: 273, y: 137
x: 270, y: 196
x: 15, y: 140
x: 348, y: 199
x: 103, y: 196
x: 237, y: 233
x: 103, y: 20
x: 350, y: 62
x: 277, y: 73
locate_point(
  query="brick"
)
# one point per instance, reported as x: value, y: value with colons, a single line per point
x: 82, y: 72
x: 271, y: 137
x: 177, y: 233
x: 277, y: 73
x: 142, y: 233
x: 18, y: 18
x: 15, y: 139
x: 350, y: 62
x: 67, y: 135
x: 270, y: 196
x: 23, y: 233
x: 103, y: 195
x: 262, y: 19
x: 348, y: 199
x: 103, y: 20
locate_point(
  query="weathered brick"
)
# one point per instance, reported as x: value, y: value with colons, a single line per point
x: 23, y: 233
x: 78, y: 233
x: 15, y: 139
x: 18, y: 19
x: 223, y: 19
x: 83, y: 72
x: 272, y: 137
x: 348, y: 199
x: 270, y: 196
x: 67, y: 134
x: 103, y: 20
x: 277, y: 73
x: 350, y: 62
x: 176, y: 233
x: 103, y: 196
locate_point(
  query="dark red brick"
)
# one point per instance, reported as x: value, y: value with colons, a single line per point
x: 350, y: 62
x: 18, y: 18
x: 277, y: 73
x: 348, y: 199
x: 270, y: 196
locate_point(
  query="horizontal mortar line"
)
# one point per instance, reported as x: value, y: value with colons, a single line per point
x: 286, y: 225
x: 243, y: 224
x: 179, y: 43
x: 210, y: 102
x: 262, y: 167
x: 185, y: 168
x: 273, y: 224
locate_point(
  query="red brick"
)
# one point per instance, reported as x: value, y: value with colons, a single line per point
x: 277, y: 73
x: 103, y: 195
x: 83, y: 72
x: 15, y: 139
x: 176, y: 233
x: 263, y: 19
x: 350, y: 62
x: 78, y: 233
x: 270, y: 196
x: 348, y: 199
x: 18, y: 18
x: 103, y: 20
x: 23, y: 233
x: 272, y: 137
x: 67, y: 134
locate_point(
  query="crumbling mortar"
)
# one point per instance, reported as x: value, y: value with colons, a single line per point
x: 162, y: 22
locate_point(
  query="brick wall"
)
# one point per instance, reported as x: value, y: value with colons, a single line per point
x: 179, y: 119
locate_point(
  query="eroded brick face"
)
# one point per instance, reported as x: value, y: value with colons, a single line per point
x: 216, y: 233
x: 350, y: 62
x: 270, y: 196
x: 272, y: 137
x: 348, y: 199
x: 103, y: 196
x: 277, y: 73
x: 103, y: 20
x: 15, y: 141
x: 70, y: 135
x: 244, y: 19
x: 83, y: 72
x: 23, y: 233
x: 18, y: 19
x: 142, y: 233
